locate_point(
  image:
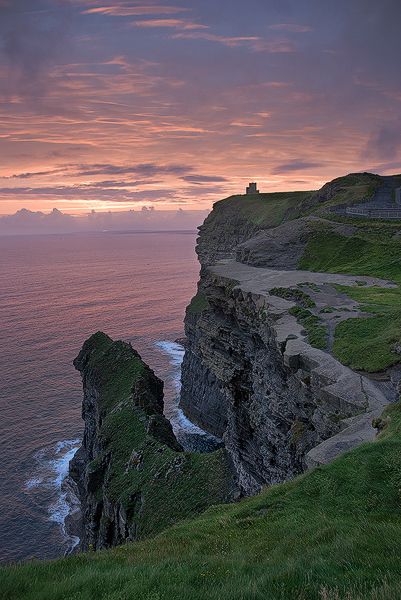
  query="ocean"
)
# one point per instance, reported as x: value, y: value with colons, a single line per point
x: 55, y: 291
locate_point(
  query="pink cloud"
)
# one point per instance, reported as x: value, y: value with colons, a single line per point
x: 230, y: 41
x: 255, y: 43
x: 133, y: 11
x: 175, y: 23
x: 243, y: 124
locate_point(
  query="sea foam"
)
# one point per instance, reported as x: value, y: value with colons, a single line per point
x: 52, y: 465
x: 190, y: 435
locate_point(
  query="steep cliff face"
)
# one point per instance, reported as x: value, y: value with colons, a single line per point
x: 235, y: 220
x: 132, y: 476
x: 250, y: 374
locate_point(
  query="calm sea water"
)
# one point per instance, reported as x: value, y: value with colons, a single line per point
x: 55, y: 291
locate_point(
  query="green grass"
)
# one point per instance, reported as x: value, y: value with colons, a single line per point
x: 263, y: 210
x: 327, y: 310
x: 358, y: 255
x: 351, y: 189
x: 293, y: 294
x: 363, y: 343
x: 198, y: 304
x: 331, y: 534
x: 369, y: 343
x: 314, y: 327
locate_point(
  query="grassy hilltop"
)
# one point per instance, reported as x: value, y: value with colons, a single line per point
x: 333, y: 533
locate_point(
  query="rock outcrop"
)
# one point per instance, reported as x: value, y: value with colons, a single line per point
x: 250, y: 374
x: 283, y: 246
x: 238, y: 218
x: 132, y: 476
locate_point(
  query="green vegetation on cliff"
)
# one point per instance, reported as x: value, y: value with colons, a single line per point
x: 372, y: 342
x: 330, y: 534
x: 314, y: 327
x: 138, y: 466
x: 361, y: 254
x: 349, y: 190
x: 198, y: 304
x: 294, y: 294
x: 264, y: 210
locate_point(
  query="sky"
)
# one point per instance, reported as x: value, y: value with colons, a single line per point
x: 124, y: 105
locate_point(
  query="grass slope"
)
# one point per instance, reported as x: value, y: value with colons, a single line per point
x: 330, y: 534
x: 368, y: 343
x: 361, y: 254
x: 372, y: 343
x: 349, y: 190
x: 263, y: 210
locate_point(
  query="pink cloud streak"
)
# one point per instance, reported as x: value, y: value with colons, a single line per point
x: 133, y: 11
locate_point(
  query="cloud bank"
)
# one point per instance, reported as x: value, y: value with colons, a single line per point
x: 26, y: 222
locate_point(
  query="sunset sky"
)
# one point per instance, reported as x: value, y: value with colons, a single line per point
x: 119, y: 104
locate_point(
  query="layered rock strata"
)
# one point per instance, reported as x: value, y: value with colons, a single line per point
x: 250, y: 374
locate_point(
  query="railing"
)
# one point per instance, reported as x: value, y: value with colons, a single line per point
x: 374, y: 213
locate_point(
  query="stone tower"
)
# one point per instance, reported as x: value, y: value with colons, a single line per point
x: 252, y: 189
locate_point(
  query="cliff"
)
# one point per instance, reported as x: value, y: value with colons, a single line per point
x: 132, y: 476
x: 293, y: 349
x: 280, y: 343
x: 262, y: 368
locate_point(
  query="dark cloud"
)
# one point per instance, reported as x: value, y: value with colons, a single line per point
x: 302, y: 182
x: 144, y: 170
x: 91, y: 170
x: 200, y: 192
x: 34, y: 38
x: 295, y: 165
x: 393, y: 166
x: 200, y: 179
x: 122, y: 184
x: 76, y: 192
x: 36, y: 174
x: 385, y: 143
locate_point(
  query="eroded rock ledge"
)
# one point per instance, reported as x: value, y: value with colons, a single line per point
x: 280, y: 404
